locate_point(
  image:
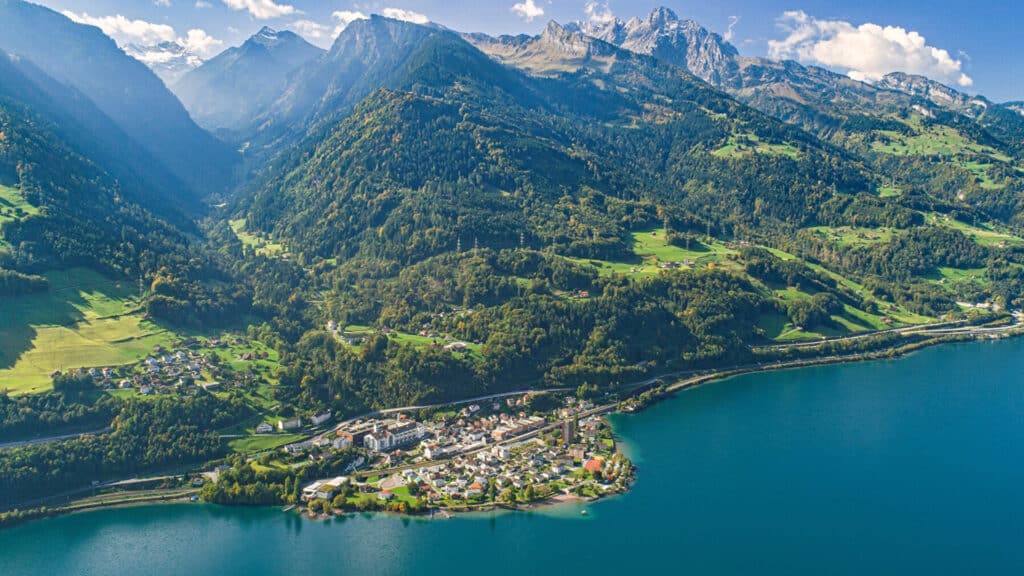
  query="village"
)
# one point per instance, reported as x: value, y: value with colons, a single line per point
x: 210, y: 364
x: 480, y: 456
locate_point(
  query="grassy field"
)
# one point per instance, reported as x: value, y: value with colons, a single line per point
x: 262, y: 442
x: 405, y: 338
x: 13, y: 207
x: 83, y: 320
x: 651, y: 249
x: 945, y: 141
x: 985, y: 234
x: 852, y: 236
x: 261, y: 245
x: 745, y: 145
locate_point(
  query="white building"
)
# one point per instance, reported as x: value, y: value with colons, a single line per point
x: 323, y: 489
x: 289, y: 424
x: 382, y: 439
x: 321, y: 418
x: 264, y: 428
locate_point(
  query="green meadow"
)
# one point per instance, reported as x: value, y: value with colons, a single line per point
x: 257, y: 243
x: 83, y: 320
x: 745, y: 145
x: 651, y: 249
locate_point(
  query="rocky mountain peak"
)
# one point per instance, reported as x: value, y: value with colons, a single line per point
x: 684, y: 43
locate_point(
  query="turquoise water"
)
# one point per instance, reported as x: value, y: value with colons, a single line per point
x: 906, y: 467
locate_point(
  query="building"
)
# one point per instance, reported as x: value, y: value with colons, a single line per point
x: 289, y: 424
x: 342, y: 442
x: 406, y: 433
x: 568, y: 432
x: 382, y: 439
x: 321, y: 418
x: 323, y: 489
x: 264, y: 428
x: 379, y: 440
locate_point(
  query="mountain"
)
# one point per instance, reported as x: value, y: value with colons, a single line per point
x: 81, y: 216
x: 225, y: 92
x: 168, y: 60
x: 76, y: 121
x: 122, y: 87
x: 817, y: 99
x: 465, y: 146
x: 367, y: 55
x: 683, y: 43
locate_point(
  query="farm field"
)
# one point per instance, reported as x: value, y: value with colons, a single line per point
x: 652, y: 249
x: 83, y: 320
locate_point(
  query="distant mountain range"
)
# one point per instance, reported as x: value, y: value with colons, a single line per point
x: 169, y: 60
x: 123, y: 88
x: 226, y: 92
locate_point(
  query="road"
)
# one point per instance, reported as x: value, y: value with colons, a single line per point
x: 48, y: 439
x: 936, y: 329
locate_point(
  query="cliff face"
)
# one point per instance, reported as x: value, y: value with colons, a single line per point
x: 684, y: 43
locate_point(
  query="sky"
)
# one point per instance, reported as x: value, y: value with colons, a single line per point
x: 973, y: 46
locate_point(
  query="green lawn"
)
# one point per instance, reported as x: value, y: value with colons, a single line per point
x: 83, y: 320
x: 651, y: 249
x: 936, y: 140
x: 13, y: 205
x: 262, y: 443
x: 261, y: 245
x: 984, y: 234
x: 745, y: 145
x: 852, y: 236
x: 406, y: 338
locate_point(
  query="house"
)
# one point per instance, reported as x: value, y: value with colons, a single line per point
x: 474, y: 490
x: 342, y: 442
x: 211, y: 386
x: 319, y: 419
x: 385, y: 495
x: 593, y: 465
x: 264, y: 428
x: 289, y: 424
x: 332, y: 325
x: 146, y: 390
x: 457, y: 347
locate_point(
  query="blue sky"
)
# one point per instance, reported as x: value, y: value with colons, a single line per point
x: 975, y: 46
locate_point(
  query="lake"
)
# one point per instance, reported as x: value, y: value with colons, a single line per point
x: 907, y: 466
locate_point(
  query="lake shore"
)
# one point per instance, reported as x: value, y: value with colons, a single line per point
x: 173, y: 497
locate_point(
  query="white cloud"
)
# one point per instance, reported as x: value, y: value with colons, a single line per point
x: 203, y: 4
x: 323, y: 34
x: 527, y: 10
x: 407, y: 15
x: 599, y: 13
x: 346, y: 17
x: 312, y: 30
x: 163, y: 3
x: 261, y: 9
x: 198, y: 42
x: 124, y: 30
x: 728, y: 36
x: 128, y: 32
x: 866, y: 52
